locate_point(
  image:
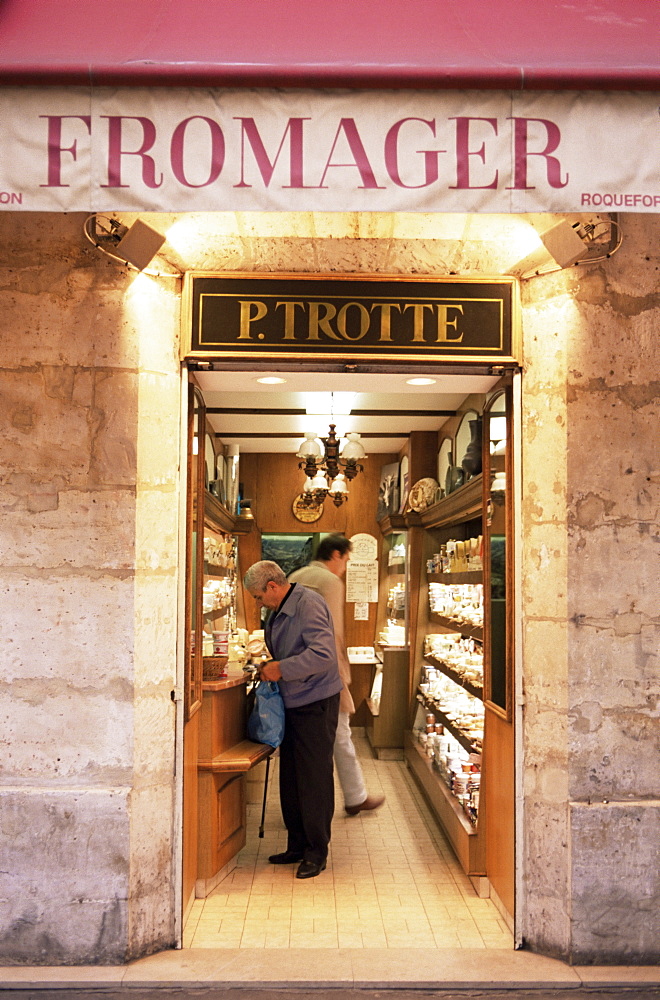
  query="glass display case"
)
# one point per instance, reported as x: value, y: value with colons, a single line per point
x: 218, y: 599
x: 393, y: 618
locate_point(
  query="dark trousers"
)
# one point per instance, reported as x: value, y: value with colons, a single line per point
x: 307, y: 793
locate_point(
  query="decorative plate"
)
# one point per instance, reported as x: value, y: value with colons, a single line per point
x: 304, y: 511
x: 423, y: 494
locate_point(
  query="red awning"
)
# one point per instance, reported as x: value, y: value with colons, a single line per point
x: 503, y: 44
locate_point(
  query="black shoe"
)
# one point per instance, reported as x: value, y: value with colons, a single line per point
x: 286, y: 858
x: 308, y: 869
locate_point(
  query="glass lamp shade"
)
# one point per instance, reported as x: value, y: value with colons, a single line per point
x: 310, y: 447
x: 353, y: 448
x: 308, y: 486
x: 339, y: 484
x: 319, y: 482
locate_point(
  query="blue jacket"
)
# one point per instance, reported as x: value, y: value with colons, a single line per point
x: 301, y: 636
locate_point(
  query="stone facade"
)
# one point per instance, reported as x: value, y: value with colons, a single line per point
x: 89, y: 492
x: 591, y: 487
x: 89, y: 496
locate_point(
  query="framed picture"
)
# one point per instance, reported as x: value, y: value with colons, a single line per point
x: 291, y: 551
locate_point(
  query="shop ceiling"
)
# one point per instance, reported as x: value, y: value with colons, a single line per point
x: 262, y: 417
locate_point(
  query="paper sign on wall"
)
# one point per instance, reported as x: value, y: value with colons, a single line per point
x: 364, y: 548
x: 362, y: 582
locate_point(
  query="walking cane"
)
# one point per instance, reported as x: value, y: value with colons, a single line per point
x: 263, y: 808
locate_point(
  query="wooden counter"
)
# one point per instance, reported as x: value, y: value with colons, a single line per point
x: 225, y: 757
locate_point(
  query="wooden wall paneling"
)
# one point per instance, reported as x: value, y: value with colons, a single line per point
x: 273, y: 481
x: 223, y: 721
x: 422, y: 455
x: 498, y: 782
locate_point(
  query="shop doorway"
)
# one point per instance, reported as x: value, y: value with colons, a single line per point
x: 433, y: 840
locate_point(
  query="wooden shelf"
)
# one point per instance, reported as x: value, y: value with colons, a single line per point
x: 464, y: 504
x: 393, y: 522
x: 237, y: 759
x: 471, y: 576
x: 469, y: 828
x: 219, y: 514
x: 472, y: 687
x: 468, y: 841
x: 210, y: 569
x: 474, y: 631
x: 451, y: 727
x: 217, y: 612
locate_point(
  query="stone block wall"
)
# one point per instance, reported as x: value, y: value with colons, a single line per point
x: 591, y: 486
x: 89, y: 453
x: 89, y: 493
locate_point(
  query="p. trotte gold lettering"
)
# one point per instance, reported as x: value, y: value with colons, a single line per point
x: 386, y: 319
x: 290, y: 317
x: 411, y: 324
x: 251, y: 312
x: 444, y: 322
x: 299, y: 320
x: 418, y: 313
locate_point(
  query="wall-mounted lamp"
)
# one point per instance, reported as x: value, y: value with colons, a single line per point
x: 567, y: 242
x: 139, y: 245
x: 136, y: 245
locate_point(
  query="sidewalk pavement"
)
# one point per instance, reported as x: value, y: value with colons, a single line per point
x: 247, y: 973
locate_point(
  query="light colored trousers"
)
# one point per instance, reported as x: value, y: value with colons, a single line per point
x: 348, y: 767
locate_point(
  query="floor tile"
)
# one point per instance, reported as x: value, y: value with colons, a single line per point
x: 392, y: 883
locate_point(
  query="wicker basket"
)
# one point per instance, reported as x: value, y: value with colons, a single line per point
x: 214, y: 668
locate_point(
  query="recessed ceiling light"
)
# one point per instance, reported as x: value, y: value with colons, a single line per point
x: 420, y: 381
x: 271, y: 380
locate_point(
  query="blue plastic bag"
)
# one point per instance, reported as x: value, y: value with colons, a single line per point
x: 266, y: 721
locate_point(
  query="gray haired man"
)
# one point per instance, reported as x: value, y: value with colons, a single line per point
x: 300, y: 637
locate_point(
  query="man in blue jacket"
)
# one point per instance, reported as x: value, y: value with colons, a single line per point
x: 300, y: 638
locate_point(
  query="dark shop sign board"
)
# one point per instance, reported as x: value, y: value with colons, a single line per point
x: 354, y: 318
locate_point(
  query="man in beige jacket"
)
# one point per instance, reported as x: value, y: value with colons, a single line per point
x: 325, y: 576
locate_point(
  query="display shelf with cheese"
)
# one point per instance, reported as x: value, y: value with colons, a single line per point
x: 443, y: 748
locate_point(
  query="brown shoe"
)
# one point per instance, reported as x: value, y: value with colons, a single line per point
x: 371, y: 802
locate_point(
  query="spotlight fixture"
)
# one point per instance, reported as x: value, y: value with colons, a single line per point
x: 139, y: 245
x: 327, y: 470
x: 566, y: 243
x: 136, y: 245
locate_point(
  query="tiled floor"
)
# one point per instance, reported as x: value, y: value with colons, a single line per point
x: 392, y: 882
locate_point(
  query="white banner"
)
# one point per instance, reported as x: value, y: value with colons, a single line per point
x: 174, y: 150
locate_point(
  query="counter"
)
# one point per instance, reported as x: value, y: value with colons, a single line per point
x: 225, y: 757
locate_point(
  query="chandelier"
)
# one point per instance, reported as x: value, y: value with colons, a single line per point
x: 327, y: 470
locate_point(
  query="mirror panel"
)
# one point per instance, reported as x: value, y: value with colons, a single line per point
x: 498, y: 550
